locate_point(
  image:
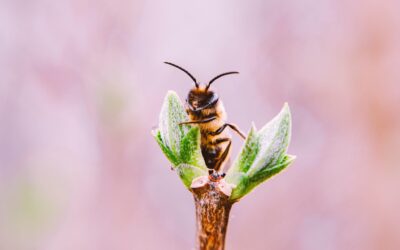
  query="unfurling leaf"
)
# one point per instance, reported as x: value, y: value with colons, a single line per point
x: 172, y: 113
x: 179, y: 143
x: 262, y: 156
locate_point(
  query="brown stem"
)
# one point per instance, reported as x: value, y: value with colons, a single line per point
x: 212, y: 215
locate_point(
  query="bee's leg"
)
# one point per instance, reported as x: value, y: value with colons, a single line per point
x: 219, y: 140
x: 215, y: 176
x: 232, y: 126
x: 219, y: 131
x: 223, y: 156
x: 199, y: 121
x: 237, y: 130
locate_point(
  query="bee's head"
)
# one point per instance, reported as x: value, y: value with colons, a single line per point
x: 200, y: 96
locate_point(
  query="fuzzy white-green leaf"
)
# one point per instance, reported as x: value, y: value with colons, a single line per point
x: 180, y: 143
x: 172, y: 113
x: 273, y: 140
x: 190, y: 151
x: 263, y: 155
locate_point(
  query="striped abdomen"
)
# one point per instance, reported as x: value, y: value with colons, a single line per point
x: 215, y: 145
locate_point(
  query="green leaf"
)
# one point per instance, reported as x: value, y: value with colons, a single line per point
x: 274, y: 139
x: 267, y: 173
x: 188, y: 173
x: 180, y: 143
x: 247, y: 184
x: 241, y: 182
x: 167, y: 152
x: 190, y: 151
x: 172, y: 113
x: 248, y: 154
x: 262, y: 156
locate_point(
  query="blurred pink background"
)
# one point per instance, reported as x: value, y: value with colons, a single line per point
x: 82, y: 84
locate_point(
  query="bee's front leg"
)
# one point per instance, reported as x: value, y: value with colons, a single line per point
x: 199, y: 121
x: 232, y: 126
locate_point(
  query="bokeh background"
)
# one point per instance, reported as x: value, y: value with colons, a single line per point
x: 82, y: 83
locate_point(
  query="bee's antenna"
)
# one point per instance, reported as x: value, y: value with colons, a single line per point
x: 187, y: 72
x: 221, y: 75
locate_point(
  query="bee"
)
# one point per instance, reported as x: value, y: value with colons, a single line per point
x: 205, y: 109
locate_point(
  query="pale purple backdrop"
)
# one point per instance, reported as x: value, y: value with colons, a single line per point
x: 82, y: 83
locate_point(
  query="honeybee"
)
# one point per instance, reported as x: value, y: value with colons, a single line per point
x: 205, y: 109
